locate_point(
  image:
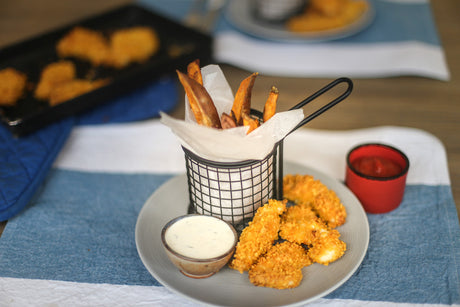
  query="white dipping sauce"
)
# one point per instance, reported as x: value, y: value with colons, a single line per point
x: 200, y: 237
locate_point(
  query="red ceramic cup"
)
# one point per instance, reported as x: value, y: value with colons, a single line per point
x: 376, y: 174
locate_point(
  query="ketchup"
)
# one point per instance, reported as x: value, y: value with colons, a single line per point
x: 376, y: 167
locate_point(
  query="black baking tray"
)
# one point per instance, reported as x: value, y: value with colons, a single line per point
x: 179, y: 45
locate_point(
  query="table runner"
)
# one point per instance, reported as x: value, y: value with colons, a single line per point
x: 74, y: 244
x: 401, y: 41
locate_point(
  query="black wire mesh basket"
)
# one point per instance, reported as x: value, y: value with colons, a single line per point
x: 233, y: 191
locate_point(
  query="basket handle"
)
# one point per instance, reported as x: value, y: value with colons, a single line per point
x: 327, y: 106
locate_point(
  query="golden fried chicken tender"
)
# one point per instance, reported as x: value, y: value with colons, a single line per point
x: 84, y: 44
x: 300, y: 224
x: 330, y: 209
x: 281, y: 267
x: 328, y: 7
x: 68, y: 90
x: 258, y: 236
x: 327, y: 16
x: 305, y: 189
x: 12, y: 86
x: 327, y: 248
x: 130, y: 45
x: 53, y: 75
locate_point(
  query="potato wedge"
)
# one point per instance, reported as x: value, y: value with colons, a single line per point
x: 242, y: 102
x: 252, y: 122
x: 194, y: 71
x: 200, y: 102
x: 227, y: 121
x: 270, y: 104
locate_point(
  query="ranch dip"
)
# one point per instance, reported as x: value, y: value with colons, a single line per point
x: 200, y: 237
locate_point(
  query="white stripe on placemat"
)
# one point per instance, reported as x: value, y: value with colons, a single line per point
x: 150, y: 147
x: 139, y: 147
x: 35, y: 292
x: 395, y: 59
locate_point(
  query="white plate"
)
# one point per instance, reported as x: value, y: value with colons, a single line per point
x: 239, y: 14
x: 228, y: 287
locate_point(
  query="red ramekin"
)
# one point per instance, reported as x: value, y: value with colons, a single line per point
x: 377, y: 194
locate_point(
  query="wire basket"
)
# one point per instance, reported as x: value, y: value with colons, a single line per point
x: 233, y: 191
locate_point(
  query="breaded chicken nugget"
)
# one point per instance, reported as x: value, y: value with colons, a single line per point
x: 53, y: 75
x: 68, y: 90
x: 258, y: 236
x: 84, y: 44
x: 329, y: 7
x: 300, y: 224
x: 324, y: 15
x: 328, y: 206
x: 130, y: 45
x: 12, y: 86
x: 327, y: 248
x: 305, y: 189
x: 281, y: 267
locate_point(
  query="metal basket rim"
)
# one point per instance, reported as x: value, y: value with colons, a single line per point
x: 236, y: 164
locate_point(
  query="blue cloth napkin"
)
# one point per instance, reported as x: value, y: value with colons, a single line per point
x: 25, y: 161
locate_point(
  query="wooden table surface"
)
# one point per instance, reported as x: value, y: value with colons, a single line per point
x: 427, y: 104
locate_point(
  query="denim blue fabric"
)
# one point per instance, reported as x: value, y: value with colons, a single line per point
x: 25, y: 161
x: 80, y: 227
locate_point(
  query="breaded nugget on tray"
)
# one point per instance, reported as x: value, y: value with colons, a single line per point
x: 123, y: 47
x: 132, y: 45
x: 305, y: 189
x: 84, y: 44
x: 258, y: 237
x: 12, y: 86
x: 68, y: 90
x: 281, y: 267
x: 53, y: 75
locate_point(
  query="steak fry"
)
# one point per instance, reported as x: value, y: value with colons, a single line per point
x: 194, y: 71
x: 242, y: 102
x: 200, y: 102
x: 270, y: 104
